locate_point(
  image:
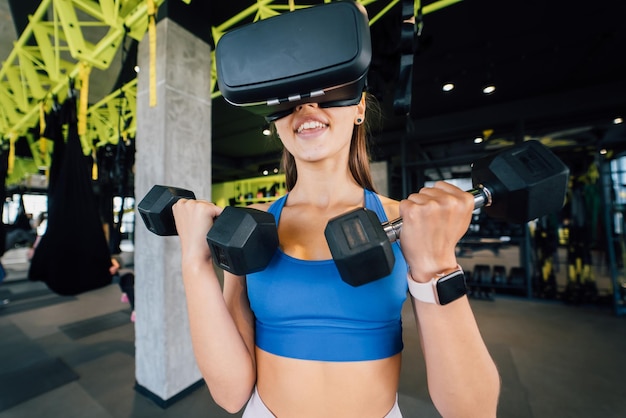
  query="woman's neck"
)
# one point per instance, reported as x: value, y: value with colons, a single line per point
x: 326, y: 188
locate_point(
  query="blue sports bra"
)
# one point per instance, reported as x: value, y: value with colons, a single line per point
x: 305, y: 311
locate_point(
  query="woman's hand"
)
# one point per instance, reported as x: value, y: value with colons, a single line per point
x: 194, y: 219
x: 434, y: 220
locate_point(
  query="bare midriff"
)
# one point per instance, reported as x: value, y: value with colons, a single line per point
x: 306, y: 388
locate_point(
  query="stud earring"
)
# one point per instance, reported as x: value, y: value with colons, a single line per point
x: 359, y: 121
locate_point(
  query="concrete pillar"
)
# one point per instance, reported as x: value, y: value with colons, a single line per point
x: 173, y: 148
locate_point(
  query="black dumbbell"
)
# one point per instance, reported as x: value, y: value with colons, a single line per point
x: 242, y: 240
x: 516, y: 185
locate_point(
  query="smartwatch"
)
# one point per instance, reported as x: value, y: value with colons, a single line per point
x: 441, y: 289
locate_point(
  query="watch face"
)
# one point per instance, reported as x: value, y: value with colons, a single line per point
x: 451, y: 287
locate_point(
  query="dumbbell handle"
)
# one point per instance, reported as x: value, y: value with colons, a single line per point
x: 482, y: 197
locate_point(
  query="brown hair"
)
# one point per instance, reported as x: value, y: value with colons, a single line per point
x: 359, y: 159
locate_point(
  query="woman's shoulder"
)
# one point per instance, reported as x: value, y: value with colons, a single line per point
x: 391, y: 206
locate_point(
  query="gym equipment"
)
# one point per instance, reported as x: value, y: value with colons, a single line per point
x: 480, y: 286
x: 156, y: 208
x: 242, y: 240
x: 517, y: 277
x: 499, y: 275
x: 73, y: 255
x: 518, y: 184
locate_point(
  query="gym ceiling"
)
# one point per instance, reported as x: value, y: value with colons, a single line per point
x: 559, y: 68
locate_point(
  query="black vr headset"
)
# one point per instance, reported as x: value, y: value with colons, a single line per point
x: 318, y: 54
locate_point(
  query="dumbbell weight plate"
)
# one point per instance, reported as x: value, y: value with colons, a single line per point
x: 243, y: 240
x: 528, y: 180
x: 360, y: 243
x: 155, y: 208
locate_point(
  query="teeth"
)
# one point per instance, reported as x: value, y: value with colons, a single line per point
x: 310, y: 125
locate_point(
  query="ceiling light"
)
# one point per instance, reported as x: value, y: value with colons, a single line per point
x: 266, y: 130
x: 478, y: 140
x: 267, y: 169
x: 618, y: 120
x: 448, y: 87
x: 489, y: 89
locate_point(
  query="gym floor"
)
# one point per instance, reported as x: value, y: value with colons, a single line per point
x: 74, y: 357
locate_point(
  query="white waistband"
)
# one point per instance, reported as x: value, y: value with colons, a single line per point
x: 257, y: 409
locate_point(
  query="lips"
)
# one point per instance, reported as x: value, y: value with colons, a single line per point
x: 311, y: 125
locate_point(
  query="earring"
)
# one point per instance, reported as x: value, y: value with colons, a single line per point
x: 359, y: 121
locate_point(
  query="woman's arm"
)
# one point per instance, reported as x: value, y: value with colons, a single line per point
x: 221, y: 330
x: 462, y: 378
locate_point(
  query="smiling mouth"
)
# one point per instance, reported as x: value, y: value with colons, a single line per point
x: 310, y: 125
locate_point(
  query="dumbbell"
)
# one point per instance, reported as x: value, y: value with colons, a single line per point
x: 242, y: 240
x: 516, y: 185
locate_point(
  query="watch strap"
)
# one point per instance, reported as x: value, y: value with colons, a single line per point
x: 427, y: 291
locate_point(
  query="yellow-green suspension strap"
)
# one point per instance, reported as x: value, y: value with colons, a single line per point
x: 152, y: 11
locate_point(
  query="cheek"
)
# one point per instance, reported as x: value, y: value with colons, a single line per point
x: 347, y: 128
x: 346, y: 116
x: 282, y: 129
x: 344, y: 128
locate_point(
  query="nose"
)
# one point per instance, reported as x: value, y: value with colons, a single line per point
x: 303, y: 105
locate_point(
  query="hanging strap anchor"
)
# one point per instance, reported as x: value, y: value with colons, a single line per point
x: 409, y: 33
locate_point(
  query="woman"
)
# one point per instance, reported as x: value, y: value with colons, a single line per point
x: 307, y: 345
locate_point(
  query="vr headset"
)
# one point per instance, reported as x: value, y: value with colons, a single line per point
x: 318, y: 54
